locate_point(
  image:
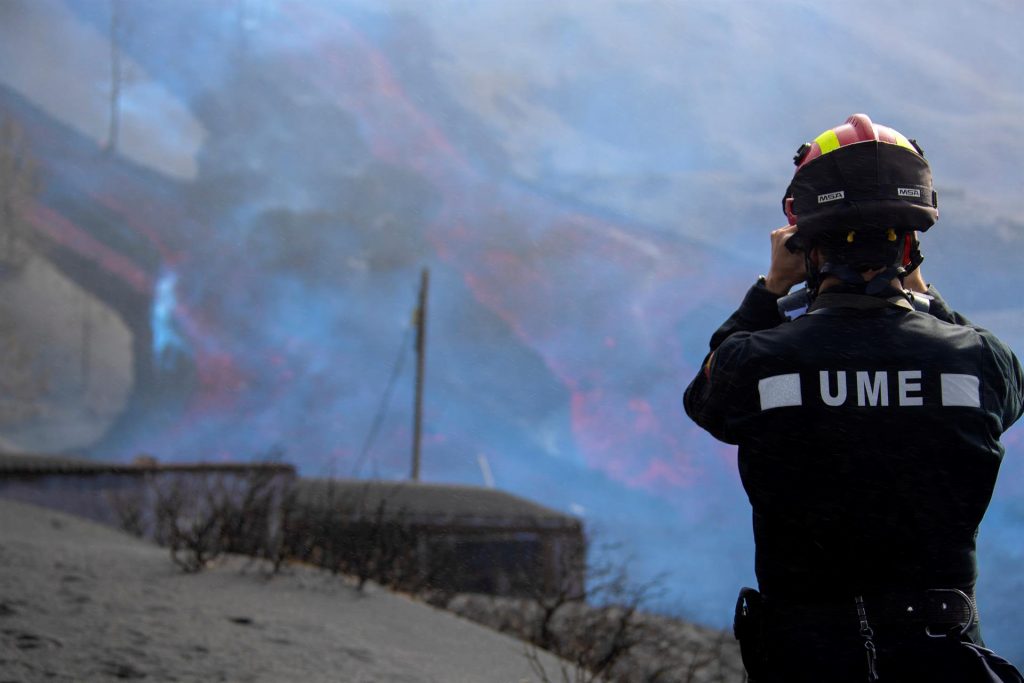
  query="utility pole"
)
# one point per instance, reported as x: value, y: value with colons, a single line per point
x: 421, y: 344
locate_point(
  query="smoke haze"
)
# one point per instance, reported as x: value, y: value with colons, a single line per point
x: 591, y: 186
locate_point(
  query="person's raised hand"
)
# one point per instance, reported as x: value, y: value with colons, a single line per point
x: 787, y: 268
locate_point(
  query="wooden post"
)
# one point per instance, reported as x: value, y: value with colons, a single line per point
x: 421, y: 343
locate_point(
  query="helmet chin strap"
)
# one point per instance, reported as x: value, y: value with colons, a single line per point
x: 908, y: 259
x: 813, y: 277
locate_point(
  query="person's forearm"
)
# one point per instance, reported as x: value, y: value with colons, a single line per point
x: 941, y: 310
x: 758, y: 311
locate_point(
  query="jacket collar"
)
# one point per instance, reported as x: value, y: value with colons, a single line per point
x: 849, y: 297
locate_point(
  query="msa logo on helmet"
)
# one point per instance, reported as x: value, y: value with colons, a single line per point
x: 908, y: 192
x: 831, y: 197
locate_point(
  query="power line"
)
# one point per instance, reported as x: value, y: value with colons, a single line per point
x: 385, y: 402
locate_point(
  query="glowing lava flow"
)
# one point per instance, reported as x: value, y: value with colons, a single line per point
x: 550, y: 274
x: 271, y: 340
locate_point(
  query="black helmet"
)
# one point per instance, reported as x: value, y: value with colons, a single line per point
x: 860, y: 176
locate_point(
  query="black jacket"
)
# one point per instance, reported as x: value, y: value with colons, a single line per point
x: 868, y: 439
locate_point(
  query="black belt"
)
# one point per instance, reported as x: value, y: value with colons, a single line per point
x: 931, y: 609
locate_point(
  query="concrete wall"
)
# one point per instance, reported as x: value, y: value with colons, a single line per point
x: 78, y: 349
x: 106, y: 497
x: 459, y: 556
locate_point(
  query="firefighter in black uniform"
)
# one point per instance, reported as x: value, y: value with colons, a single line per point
x: 868, y: 431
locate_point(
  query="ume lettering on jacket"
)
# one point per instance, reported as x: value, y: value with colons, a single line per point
x: 870, y: 388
